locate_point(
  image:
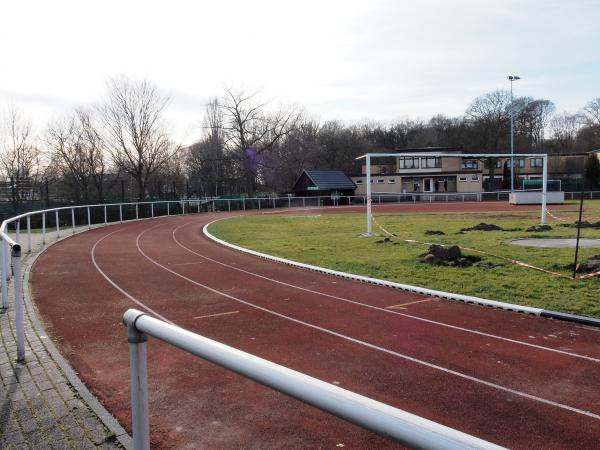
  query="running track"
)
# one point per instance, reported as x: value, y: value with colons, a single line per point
x: 519, y: 381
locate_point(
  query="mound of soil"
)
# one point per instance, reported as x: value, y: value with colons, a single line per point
x: 591, y: 265
x: 584, y: 224
x: 484, y: 227
x: 451, y: 255
x: 539, y: 228
x: 433, y: 232
x: 384, y: 241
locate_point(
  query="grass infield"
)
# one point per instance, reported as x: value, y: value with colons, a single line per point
x: 334, y: 241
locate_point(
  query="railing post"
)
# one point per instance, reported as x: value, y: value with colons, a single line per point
x: 244, y: 203
x: 105, y: 215
x: 183, y: 208
x: 259, y: 203
x: 229, y: 205
x: 89, y: 219
x: 73, y: 219
x: 28, y: 234
x: 152, y: 209
x: 139, y: 385
x: 57, y: 224
x: 18, y: 283
x: 304, y: 202
x: 273, y: 202
x: 43, y: 228
x: 137, y: 211
x: 121, y: 213
x: 4, y: 274
x: 168, y: 208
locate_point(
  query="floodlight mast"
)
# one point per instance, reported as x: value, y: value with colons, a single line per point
x: 512, y: 78
x: 368, y: 157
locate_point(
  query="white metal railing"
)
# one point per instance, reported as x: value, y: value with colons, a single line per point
x: 11, y: 248
x: 406, y: 428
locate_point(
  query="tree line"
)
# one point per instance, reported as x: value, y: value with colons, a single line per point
x: 249, y: 146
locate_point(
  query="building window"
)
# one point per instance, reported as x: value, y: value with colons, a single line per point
x: 408, y: 163
x: 462, y: 178
x: 431, y: 162
x: 499, y: 164
x: 536, y: 162
x: 517, y: 163
x: 359, y: 181
x: 470, y: 164
x: 474, y: 177
x: 392, y: 180
x: 380, y: 180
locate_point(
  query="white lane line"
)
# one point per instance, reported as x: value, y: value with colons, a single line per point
x: 402, y: 305
x: 369, y: 345
x: 377, y: 308
x: 187, y: 263
x: 115, y: 285
x: 216, y: 315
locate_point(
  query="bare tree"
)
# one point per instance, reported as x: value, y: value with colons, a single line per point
x: 20, y: 156
x: 133, y: 115
x: 250, y: 131
x: 591, y: 113
x: 77, y: 153
x: 564, y: 128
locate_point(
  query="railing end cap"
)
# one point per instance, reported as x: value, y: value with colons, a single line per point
x: 131, y: 316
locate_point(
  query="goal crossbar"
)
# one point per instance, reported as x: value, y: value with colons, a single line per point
x: 369, y: 156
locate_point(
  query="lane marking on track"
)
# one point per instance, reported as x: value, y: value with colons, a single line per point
x: 377, y: 308
x: 369, y: 345
x: 115, y: 285
x: 187, y: 263
x: 216, y: 315
x: 402, y: 305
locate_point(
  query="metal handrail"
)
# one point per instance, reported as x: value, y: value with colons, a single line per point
x: 404, y: 427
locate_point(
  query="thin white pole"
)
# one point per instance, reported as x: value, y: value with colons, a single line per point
x: 105, y: 215
x: 121, y: 213
x: 43, y: 228
x: 139, y: 388
x: 544, y: 188
x: 512, y: 143
x: 28, y: 234
x: 4, y: 274
x: 369, y: 218
x: 57, y: 224
x: 137, y: 211
x: 168, y: 209
x: 89, y: 219
x: 73, y: 219
x: 19, y: 315
x: 152, y: 209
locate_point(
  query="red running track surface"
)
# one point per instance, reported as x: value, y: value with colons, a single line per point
x: 519, y: 381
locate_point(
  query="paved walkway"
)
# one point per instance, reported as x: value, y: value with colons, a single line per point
x: 42, y: 402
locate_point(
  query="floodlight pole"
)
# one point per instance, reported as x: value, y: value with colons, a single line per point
x: 512, y: 78
x: 369, y: 219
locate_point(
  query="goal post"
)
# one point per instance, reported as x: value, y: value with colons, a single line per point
x: 368, y: 156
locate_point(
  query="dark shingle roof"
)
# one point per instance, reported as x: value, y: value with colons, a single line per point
x: 330, y: 179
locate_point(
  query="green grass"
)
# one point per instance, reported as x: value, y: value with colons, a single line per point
x: 334, y: 241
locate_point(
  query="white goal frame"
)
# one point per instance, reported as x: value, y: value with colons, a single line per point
x: 369, y: 156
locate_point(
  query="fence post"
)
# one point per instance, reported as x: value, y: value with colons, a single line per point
x: 28, y: 234
x: 89, y: 219
x: 73, y: 219
x: 139, y: 386
x: 229, y: 205
x: 4, y: 274
x: 243, y: 203
x: 44, y: 228
x: 137, y: 212
x: 57, y: 224
x: 213, y: 206
x: 183, y: 207
x: 18, y: 282
x: 168, y: 208
x: 121, y: 213
x: 259, y: 203
x: 152, y: 209
x: 105, y: 215
x: 304, y: 202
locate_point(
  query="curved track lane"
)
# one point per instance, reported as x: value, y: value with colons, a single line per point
x: 519, y: 381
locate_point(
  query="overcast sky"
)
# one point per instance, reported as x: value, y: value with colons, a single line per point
x: 349, y: 60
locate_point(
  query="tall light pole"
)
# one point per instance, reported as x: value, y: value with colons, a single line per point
x: 512, y: 78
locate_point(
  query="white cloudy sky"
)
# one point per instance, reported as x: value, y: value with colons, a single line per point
x: 346, y: 59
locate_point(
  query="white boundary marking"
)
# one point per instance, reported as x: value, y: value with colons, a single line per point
x: 369, y: 345
x: 216, y: 315
x: 293, y: 263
